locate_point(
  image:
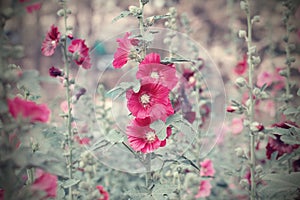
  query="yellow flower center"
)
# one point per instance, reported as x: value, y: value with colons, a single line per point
x: 145, y: 99
x: 150, y: 136
x: 154, y: 75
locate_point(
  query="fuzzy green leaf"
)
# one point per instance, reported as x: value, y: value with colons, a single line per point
x: 123, y: 14
x: 160, y: 129
x: 115, y: 136
x: 70, y: 182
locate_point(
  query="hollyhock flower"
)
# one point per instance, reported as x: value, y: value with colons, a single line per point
x: 142, y: 138
x: 152, y: 101
x: 204, y: 189
x: 277, y: 144
x: 236, y: 126
x: 45, y: 182
x: 242, y: 66
x: 152, y: 71
x: 105, y: 195
x: 121, y: 56
x: 29, y: 110
x: 54, y: 72
x: 81, y: 53
x: 32, y: 7
x: 51, y: 41
x: 82, y: 140
x: 207, y: 168
x: 264, y: 78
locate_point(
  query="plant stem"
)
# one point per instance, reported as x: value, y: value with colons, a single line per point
x: 251, y: 107
x: 288, y: 55
x: 68, y: 96
x: 147, y: 164
x: 142, y: 29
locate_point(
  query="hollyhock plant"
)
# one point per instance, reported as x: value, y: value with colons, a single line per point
x: 204, y: 189
x: 277, y: 144
x: 152, y: 71
x: 241, y: 66
x: 104, y: 193
x: 122, y: 54
x: 81, y: 53
x: 152, y: 101
x: 45, y: 182
x: 51, y: 41
x: 142, y: 138
x: 28, y: 109
x: 207, y: 168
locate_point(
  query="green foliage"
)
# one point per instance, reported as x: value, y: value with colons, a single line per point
x: 160, y: 129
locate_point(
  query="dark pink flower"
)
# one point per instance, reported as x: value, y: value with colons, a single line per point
x: 152, y: 71
x: 104, y: 193
x: 1, y: 194
x: 45, y: 182
x: 277, y: 144
x: 142, y: 138
x: 28, y: 109
x: 204, y: 189
x: 231, y: 109
x: 207, y: 168
x: 81, y: 53
x: 54, y: 72
x: 51, y: 41
x: 121, y: 56
x: 152, y: 101
x: 32, y: 7
x: 242, y: 66
x: 82, y: 140
x: 264, y: 78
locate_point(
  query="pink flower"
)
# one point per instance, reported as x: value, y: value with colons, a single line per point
x: 242, y: 66
x: 45, y: 182
x: 81, y: 53
x: 204, y: 189
x: 121, y: 56
x: 277, y: 144
x: 32, y: 7
x: 28, y: 109
x: 105, y: 195
x: 152, y: 101
x: 1, y: 194
x: 236, y: 126
x: 207, y: 168
x: 152, y: 71
x: 51, y: 41
x: 231, y: 109
x: 82, y: 140
x: 142, y: 138
x: 264, y: 78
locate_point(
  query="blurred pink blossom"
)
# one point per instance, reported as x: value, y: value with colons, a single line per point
x: 207, y: 168
x: 204, y: 189
x: 45, y: 182
x: 236, y: 126
x: 104, y: 193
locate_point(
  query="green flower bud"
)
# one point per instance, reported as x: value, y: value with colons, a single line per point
x: 61, y: 12
x: 242, y: 34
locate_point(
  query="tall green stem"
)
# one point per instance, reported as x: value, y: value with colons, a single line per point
x: 68, y: 96
x: 251, y: 106
x: 142, y: 28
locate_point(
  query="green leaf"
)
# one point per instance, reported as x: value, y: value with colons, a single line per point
x: 173, y: 118
x: 70, y: 182
x: 115, y: 136
x: 160, y: 129
x: 161, y: 191
x: 122, y: 15
x: 290, y: 111
x: 121, y: 89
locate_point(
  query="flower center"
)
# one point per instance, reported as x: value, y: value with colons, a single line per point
x: 150, y: 136
x: 154, y: 75
x: 53, y: 43
x: 145, y: 99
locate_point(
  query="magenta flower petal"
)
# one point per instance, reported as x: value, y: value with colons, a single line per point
x: 204, y: 189
x: 143, y: 138
x: 51, y: 41
x: 152, y: 101
x: 104, y: 193
x: 45, y: 182
x: 121, y: 56
x: 242, y: 66
x: 81, y: 51
x: 28, y: 109
x: 207, y: 168
x: 152, y: 71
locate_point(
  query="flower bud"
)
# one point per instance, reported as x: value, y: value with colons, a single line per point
x: 256, y: 92
x: 244, y: 183
x: 240, y: 81
x: 242, y: 34
x: 256, y: 18
x: 256, y: 127
x: 239, y: 152
x: 243, y: 5
x: 258, y: 169
x: 256, y: 60
x: 55, y: 72
x: 231, y: 109
x: 61, y: 13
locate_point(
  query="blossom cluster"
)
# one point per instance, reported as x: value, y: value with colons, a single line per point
x: 151, y: 102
